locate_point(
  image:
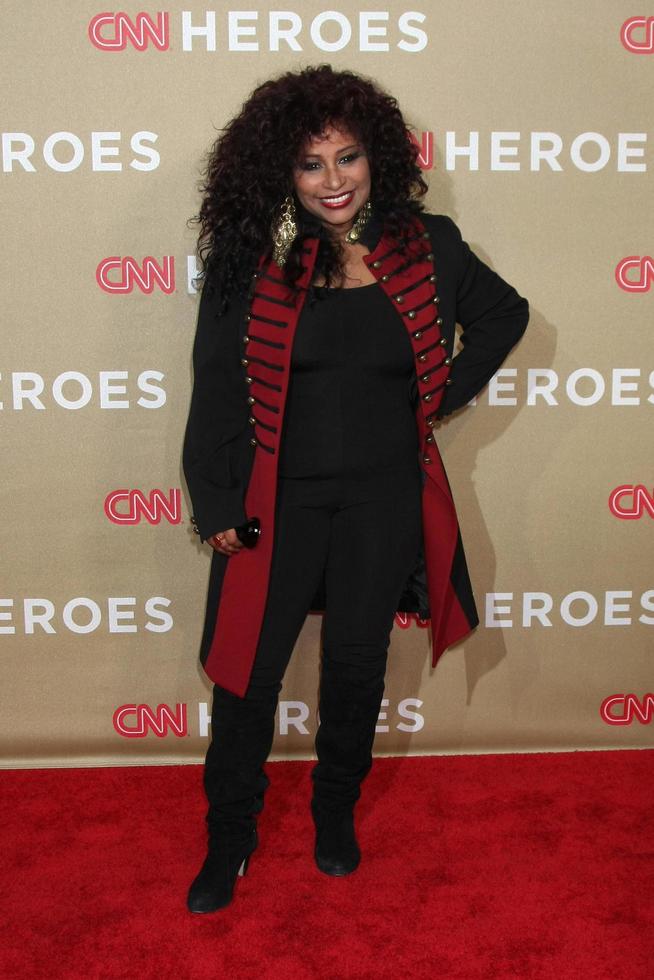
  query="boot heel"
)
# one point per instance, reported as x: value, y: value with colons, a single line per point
x: 213, y: 888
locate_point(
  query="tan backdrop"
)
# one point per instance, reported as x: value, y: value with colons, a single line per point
x: 534, y: 122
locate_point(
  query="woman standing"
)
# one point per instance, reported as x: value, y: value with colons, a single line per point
x: 322, y: 361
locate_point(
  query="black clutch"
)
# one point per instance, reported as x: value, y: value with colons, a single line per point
x: 248, y: 533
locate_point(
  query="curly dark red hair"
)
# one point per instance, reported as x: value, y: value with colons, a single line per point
x: 249, y: 170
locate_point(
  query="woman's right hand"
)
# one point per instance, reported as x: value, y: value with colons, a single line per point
x: 225, y: 542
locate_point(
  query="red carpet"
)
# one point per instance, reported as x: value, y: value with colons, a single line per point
x: 528, y: 866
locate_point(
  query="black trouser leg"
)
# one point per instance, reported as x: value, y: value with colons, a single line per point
x: 373, y: 548
x: 350, y: 699
x: 242, y: 732
x: 234, y: 781
x: 243, y: 728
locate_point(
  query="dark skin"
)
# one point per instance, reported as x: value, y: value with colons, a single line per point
x: 332, y: 167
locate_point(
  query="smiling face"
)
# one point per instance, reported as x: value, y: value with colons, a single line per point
x: 332, y: 178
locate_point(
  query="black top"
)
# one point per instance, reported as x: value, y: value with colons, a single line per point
x: 348, y: 410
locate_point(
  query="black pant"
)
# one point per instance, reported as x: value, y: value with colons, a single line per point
x: 366, y: 548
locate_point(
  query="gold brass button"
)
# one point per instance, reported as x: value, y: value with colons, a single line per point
x: 448, y: 361
x: 248, y: 317
x: 422, y: 357
x: 244, y: 361
x: 430, y: 437
x: 449, y: 381
x: 426, y: 459
x: 426, y: 398
x: 424, y: 377
x: 251, y: 400
x: 253, y: 442
x: 439, y: 321
x: 412, y: 314
x: 417, y: 334
x: 376, y: 264
x: 252, y: 420
x: 431, y: 421
x: 429, y: 256
x: 246, y: 339
x: 432, y: 277
x: 256, y: 274
x: 385, y: 278
x: 398, y: 298
x: 443, y: 341
x: 425, y: 234
x: 248, y: 379
x: 436, y: 299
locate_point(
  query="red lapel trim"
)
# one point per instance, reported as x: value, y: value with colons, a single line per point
x: 409, y: 280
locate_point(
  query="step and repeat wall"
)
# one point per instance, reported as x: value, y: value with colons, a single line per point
x: 534, y: 127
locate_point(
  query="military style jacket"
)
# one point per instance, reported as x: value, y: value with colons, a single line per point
x: 241, y: 363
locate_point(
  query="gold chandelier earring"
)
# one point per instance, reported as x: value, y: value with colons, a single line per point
x: 285, y: 231
x: 354, y: 234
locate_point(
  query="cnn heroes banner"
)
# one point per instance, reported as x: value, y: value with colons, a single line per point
x: 583, y: 387
x: 180, y: 720
x: 139, y: 721
x: 473, y: 151
x: 548, y: 179
x: 73, y: 390
x: 118, y: 31
x: 117, y: 614
x: 253, y: 31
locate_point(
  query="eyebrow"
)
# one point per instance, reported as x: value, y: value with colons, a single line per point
x: 351, y: 146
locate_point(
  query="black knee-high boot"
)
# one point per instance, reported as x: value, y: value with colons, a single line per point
x: 349, y: 702
x: 242, y: 731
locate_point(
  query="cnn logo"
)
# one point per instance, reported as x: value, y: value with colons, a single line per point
x: 121, y: 274
x: 635, y: 273
x: 113, y: 32
x: 622, y: 709
x: 132, y: 506
x: 629, y: 503
x: 637, y: 35
x: 137, y: 720
x: 425, y: 144
x: 404, y: 620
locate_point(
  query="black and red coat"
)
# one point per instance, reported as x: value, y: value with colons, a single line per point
x: 241, y: 362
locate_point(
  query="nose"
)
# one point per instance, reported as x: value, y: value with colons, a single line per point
x: 334, y: 179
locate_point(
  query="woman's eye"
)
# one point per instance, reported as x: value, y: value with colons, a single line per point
x: 349, y: 158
